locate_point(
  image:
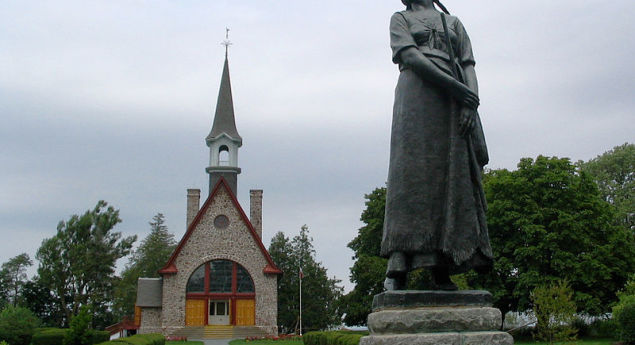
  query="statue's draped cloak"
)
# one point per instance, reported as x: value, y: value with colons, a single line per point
x: 434, y: 203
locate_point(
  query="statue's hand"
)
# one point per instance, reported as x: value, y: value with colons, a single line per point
x: 464, y: 95
x: 467, y: 120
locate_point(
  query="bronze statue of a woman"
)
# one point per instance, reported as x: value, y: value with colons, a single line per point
x: 435, y: 206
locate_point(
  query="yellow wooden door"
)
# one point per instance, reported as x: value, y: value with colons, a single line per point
x: 195, y: 312
x: 245, y: 312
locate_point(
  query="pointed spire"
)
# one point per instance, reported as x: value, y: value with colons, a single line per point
x: 224, y: 121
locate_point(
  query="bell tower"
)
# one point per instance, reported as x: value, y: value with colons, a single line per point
x: 223, y: 140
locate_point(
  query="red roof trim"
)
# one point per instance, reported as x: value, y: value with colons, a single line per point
x: 170, y: 267
x: 271, y: 270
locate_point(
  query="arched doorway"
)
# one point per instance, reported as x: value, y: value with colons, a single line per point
x: 220, y: 292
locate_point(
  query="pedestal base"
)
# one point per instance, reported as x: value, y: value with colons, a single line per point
x: 435, y: 318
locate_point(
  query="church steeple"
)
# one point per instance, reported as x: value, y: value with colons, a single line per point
x: 224, y: 140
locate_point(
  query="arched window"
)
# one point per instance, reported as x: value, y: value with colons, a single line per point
x: 220, y: 277
x: 223, y: 155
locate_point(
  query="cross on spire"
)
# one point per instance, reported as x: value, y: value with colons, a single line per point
x: 226, y: 42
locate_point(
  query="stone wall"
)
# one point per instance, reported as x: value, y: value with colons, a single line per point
x: 207, y: 243
x: 150, y: 320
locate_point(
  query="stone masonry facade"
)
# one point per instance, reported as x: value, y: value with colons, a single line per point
x: 206, y: 243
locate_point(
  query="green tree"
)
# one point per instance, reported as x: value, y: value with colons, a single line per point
x: 17, y: 325
x: 40, y: 300
x: 614, y: 172
x: 13, y: 276
x: 319, y: 292
x: 548, y: 221
x: 368, y: 271
x: 555, y: 312
x: 80, y: 332
x: 78, y: 263
x: 153, y: 252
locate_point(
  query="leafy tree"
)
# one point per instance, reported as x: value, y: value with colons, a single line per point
x: 548, y: 221
x: 153, y: 252
x: 78, y: 263
x: 614, y: 172
x: 369, y: 270
x: 17, y: 325
x: 40, y: 300
x: 555, y: 312
x: 80, y: 332
x: 13, y: 276
x: 319, y: 292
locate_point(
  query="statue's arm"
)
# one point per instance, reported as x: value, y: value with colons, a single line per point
x: 415, y: 60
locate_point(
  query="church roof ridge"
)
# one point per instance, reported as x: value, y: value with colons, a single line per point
x: 170, y: 267
x: 224, y: 119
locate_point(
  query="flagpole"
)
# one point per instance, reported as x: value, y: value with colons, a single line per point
x: 301, y: 274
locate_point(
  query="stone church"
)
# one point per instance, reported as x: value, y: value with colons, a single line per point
x: 220, y: 280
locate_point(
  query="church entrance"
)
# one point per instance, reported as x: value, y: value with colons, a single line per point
x: 218, y: 312
x: 220, y: 292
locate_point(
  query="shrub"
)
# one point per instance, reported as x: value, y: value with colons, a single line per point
x: 48, y: 336
x: 332, y: 338
x: 555, y: 312
x: 99, y: 337
x: 80, y: 332
x: 624, y: 315
x: 17, y: 325
x: 139, y: 339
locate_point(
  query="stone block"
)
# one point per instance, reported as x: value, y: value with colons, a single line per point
x: 448, y: 338
x: 402, y: 299
x: 426, y: 320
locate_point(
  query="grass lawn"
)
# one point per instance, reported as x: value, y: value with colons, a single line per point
x: 268, y: 342
x: 578, y: 342
x: 183, y: 343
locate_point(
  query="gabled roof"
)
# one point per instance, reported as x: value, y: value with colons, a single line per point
x: 170, y: 267
x: 224, y: 120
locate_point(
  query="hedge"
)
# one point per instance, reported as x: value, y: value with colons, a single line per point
x: 55, y: 336
x: 332, y: 338
x: 139, y: 339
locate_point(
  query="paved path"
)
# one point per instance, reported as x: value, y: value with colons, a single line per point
x: 213, y: 341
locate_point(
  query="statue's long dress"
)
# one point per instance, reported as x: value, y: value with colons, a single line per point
x: 434, y: 204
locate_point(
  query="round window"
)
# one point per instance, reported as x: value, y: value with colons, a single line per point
x: 221, y: 222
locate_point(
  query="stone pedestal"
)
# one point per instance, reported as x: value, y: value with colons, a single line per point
x: 435, y: 318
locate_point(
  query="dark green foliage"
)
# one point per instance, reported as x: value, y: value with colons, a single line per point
x: 41, y: 301
x: 55, y: 336
x: 17, y: 325
x: 49, y: 336
x: 368, y: 271
x: 333, y: 338
x: 626, y: 321
x: 13, y: 276
x: 78, y: 264
x: 153, y: 252
x: 624, y: 312
x: 100, y: 336
x: 80, y: 332
x: 319, y: 292
x: 548, y: 221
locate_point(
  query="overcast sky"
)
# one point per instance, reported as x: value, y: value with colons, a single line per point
x: 112, y: 100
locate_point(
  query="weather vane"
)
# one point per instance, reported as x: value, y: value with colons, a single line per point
x: 226, y: 42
